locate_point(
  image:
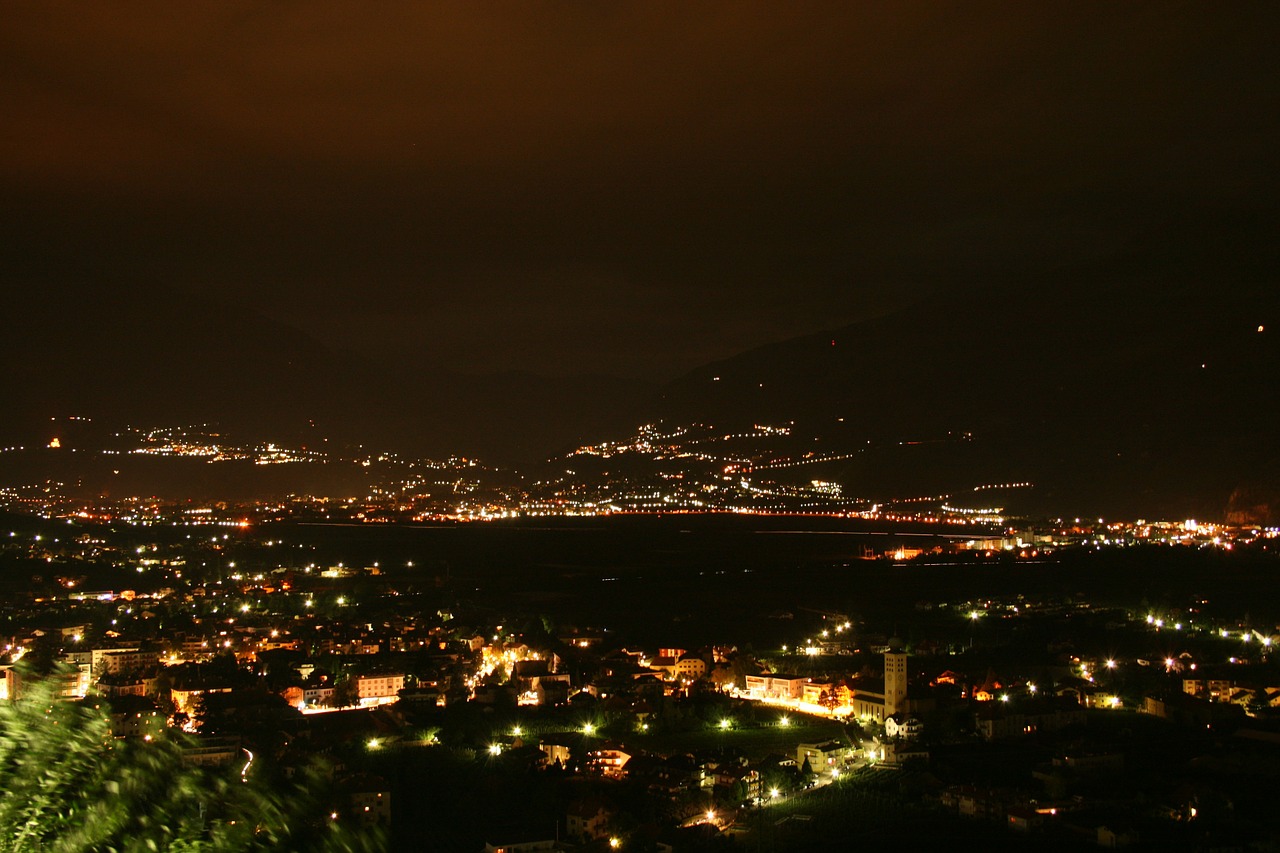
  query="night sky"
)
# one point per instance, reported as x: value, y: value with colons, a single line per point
x: 628, y: 189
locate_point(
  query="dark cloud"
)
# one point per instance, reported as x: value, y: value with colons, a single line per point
x: 630, y: 188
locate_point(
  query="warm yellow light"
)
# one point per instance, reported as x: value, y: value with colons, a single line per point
x: 495, y: 749
x: 588, y: 728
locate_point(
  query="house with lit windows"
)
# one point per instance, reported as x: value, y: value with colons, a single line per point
x: 374, y: 688
x: 775, y: 686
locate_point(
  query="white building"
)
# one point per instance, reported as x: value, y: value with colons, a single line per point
x: 902, y: 725
x: 373, y: 689
x: 776, y: 686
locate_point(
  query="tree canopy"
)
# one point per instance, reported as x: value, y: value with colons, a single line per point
x: 70, y: 786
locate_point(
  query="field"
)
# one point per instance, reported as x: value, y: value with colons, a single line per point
x: 754, y: 742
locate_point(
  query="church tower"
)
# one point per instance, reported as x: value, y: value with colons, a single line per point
x: 895, y: 681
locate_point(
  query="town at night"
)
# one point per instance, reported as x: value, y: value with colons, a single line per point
x: 645, y: 427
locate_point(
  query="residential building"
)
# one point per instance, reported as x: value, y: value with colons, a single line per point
x: 372, y: 689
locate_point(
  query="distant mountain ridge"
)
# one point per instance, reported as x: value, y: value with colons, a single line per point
x: 1149, y: 400
x: 142, y: 358
x: 1145, y: 399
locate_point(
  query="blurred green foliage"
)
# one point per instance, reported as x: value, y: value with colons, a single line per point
x: 68, y: 785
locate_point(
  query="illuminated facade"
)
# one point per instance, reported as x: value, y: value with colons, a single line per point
x: 374, y: 688
x: 775, y: 686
